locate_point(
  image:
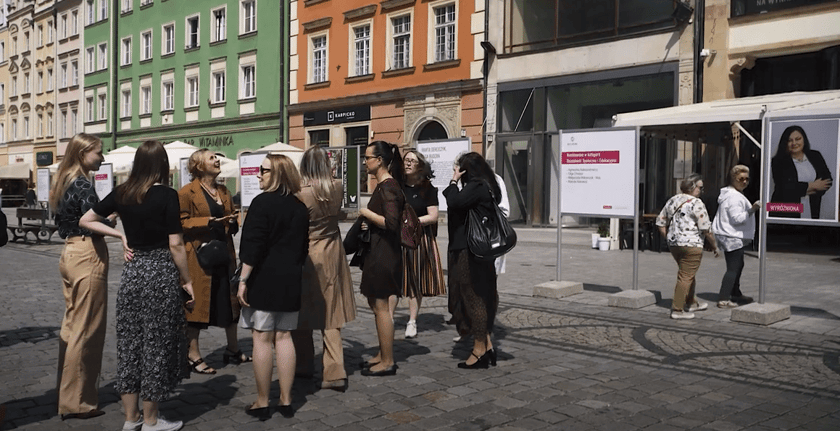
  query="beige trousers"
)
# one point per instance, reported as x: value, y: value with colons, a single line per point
x: 84, y: 272
x: 333, y: 353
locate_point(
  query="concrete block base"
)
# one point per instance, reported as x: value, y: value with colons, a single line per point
x: 760, y: 314
x: 632, y: 299
x: 558, y: 289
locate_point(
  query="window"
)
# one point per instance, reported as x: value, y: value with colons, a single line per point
x: 40, y: 82
x: 40, y: 35
x: 49, y: 31
x: 103, y: 56
x: 126, y: 103
x: 319, y: 59
x: 49, y: 124
x: 14, y: 86
x: 2, y: 52
x: 147, y: 45
x: 192, y: 32
x: 62, y: 125
x: 74, y: 73
x: 2, y: 93
x: 445, y: 33
x: 74, y: 21
x: 145, y: 2
x: 103, y: 107
x: 63, y: 28
x: 126, y: 5
x: 401, y: 27
x: 26, y: 83
x: 249, y: 82
x: 26, y: 127
x: 2, y: 133
x: 218, y: 87
x: 49, y: 79
x: 249, y: 16
x: 126, y: 51
x: 40, y: 126
x: 362, y: 50
x: 90, y: 60
x: 26, y: 41
x: 167, y: 95
x: 74, y: 121
x: 91, y: 12
x: 14, y: 46
x: 219, y: 27
x: 103, y: 9
x: 192, y: 91
x: 63, y: 82
x: 146, y: 100
x: 89, y: 108
x: 14, y: 129
x: 168, y: 39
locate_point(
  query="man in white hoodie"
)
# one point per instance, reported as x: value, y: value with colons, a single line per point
x: 734, y: 229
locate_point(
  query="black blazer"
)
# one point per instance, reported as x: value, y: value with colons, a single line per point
x: 788, y: 188
x: 275, y: 241
x: 459, y: 202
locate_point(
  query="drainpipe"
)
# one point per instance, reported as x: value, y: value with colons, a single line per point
x: 115, y: 66
x: 699, y: 37
x: 485, y: 72
x: 284, y: 66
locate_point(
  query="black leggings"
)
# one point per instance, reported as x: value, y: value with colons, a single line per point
x: 731, y: 284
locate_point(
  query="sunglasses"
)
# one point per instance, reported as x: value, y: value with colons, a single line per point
x: 264, y: 170
x: 744, y: 179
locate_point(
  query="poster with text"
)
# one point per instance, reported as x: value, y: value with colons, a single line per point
x: 802, y: 153
x: 344, y: 164
x: 441, y: 155
x: 598, y: 172
x: 249, y: 167
x: 183, y: 172
x: 103, y: 180
x: 43, y: 189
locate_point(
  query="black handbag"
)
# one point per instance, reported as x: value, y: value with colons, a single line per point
x: 357, y: 242
x: 213, y: 253
x: 489, y: 235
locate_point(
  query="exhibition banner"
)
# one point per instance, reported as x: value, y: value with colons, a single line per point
x: 103, y: 180
x: 183, y: 172
x: 249, y: 167
x: 344, y: 162
x: 441, y: 155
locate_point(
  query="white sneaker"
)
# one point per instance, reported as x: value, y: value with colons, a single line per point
x: 681, y: 314
x: 163, y: 425
x: 727, y: 304
x: 133, y: 426
x: 698, y: 306
x: 411, y: 329
x: 456, y: 339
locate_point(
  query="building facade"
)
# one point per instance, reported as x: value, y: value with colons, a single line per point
x: 19, y: 110
x: 68, y: 78
x: 396, y: 70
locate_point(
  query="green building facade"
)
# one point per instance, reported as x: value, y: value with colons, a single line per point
x: 205, y: 72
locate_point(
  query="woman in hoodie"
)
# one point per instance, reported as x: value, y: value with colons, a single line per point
x: 734, y: 229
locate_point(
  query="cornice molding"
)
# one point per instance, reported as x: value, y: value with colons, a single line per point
x: 318, y: 23
x: 360, y: 12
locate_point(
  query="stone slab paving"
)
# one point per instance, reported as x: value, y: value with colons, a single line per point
x: 571, y: 363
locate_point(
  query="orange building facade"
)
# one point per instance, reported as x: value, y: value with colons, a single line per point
x: 401, y: 71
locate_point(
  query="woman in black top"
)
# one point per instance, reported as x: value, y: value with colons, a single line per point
x: 382, y: 271
x: 84, y: 272
x: 273, y: 250
x: 800, y: 174
x: 472, y: 282
x: 151, y: 347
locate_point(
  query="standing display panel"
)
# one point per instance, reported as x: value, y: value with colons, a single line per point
x: 344, y: 162
x: 441, y: 155
x: 103, y: 180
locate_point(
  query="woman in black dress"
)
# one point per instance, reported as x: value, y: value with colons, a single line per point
x: 382, y: 271
x: 800, y: 174
x: 472, y: 282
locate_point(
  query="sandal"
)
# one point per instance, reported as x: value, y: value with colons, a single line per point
x: 236, y: 358
x: 196, y: 363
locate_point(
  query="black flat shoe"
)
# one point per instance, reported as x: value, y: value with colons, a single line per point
x: 235, y: 358
x: 85, y: 415
x: 482, y: 362
x: 366, y: 364
x: 336, y: 385
x: 262, y: 413
x: 287, y: 411
x: 196, y: 363
x: 390, y: 371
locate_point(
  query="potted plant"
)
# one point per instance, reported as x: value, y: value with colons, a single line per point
x: 604, y: 236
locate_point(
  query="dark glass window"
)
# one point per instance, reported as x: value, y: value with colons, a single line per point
x: 432, y: 131
x: 319, y: 137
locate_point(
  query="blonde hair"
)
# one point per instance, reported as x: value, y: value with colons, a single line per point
x: 316, y: 171
x: 72, y: 165
x: 195, y: 163
x: 284, y: 175
x: 736, y: 170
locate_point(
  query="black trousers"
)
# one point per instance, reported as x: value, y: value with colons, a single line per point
x: 731, y: 284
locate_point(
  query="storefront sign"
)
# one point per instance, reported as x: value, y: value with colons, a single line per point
x: 209, y: 141
x: 755, y: 7
x: 337, y: 116
x: 441, y: 156
x: 103, y: 180
x: 597, y: 172
x: 44, y: 158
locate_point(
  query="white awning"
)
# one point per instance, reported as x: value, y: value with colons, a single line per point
x: 16, y: 171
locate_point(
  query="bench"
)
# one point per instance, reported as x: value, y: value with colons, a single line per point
x: 43, y: 231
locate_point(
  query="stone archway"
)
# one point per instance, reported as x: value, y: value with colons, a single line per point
x: 432, y: 130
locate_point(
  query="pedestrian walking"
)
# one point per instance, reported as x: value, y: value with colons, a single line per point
x: 422, y: 267
x: 208, y: 215
x: 327, y: 300
x: 84, y: 272
x: 273, y: 251
x: 151, y: 346
x: 473, y: 295
x: 382, y: 271
x: 688, y: 224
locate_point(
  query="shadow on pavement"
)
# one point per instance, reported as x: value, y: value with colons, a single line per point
x: 600, y: 288
x: 28, y: 334
x: 202, y: 396
x: 44, y: 407
x: 812, y: 312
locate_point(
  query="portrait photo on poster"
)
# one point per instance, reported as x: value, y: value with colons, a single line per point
x: 803, y: 155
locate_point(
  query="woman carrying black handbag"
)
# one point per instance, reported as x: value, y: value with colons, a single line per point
x: 473, y: 297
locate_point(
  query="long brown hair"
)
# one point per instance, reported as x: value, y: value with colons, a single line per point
x: 72, y: 167
x: 284, y: 175
x: 316, y: 171
x: 151, y: 165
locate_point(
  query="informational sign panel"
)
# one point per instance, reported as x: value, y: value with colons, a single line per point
x: 103, y: 180
x: 441, y: 155
x: 183, y: 172
x: 43, y: 190
x: 344, y: 162
x: 598, y: 172
x: 249, y: 167
x: 802, y: 153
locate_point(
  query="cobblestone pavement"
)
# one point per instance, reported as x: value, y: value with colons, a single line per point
x: 572, y: 364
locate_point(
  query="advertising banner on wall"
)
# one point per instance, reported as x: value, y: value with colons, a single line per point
x: 103, y: 180
x: 183, y: 172
x: 43, y: 189
x: 598, y: 172
x: 344, y: 162
x: 802, y: 152
x: 441, y: 155
x: 249, y: 167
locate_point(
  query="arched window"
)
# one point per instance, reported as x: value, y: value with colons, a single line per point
x: 432, y: 131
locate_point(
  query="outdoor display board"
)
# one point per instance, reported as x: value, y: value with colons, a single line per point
x: 183, y: 172
x: 103, y: 180
x: 344, y: 162
x: 249, y: 167
x: 43, y: 189
x: 598, y: 172
x: 802, y: 190
x: 441, y: 156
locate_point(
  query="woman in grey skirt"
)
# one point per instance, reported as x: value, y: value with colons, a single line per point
x: 151, y: 346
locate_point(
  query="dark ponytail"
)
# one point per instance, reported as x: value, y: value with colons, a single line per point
x: 391, y: 157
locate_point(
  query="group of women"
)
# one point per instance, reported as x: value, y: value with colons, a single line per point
x: 293, y: 277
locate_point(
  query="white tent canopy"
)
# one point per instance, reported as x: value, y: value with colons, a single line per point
x: 18, y: 171
x: 231, y: 169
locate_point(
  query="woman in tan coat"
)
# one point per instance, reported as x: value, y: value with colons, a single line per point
x: 207, y: 214
x: 327, y: 301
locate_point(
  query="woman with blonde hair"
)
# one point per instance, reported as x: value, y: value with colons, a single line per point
x: 327, y: 301
x: 84, y: 273
x: 273, y: 252
x: 207, y: 214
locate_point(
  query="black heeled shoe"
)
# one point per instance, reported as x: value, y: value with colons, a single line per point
x: 366, y: 364
x: 482, y: 362
x: 194, y: 364
x: 235, y: 358
x: 262, y: 413
x: 492, y: 353
x: 390, y: 371
x: 287, y: 411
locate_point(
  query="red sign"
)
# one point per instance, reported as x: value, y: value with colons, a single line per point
x: 100, y: 177
x: 590, y: 157
x: 250, y: 171
x: 785, y: 208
